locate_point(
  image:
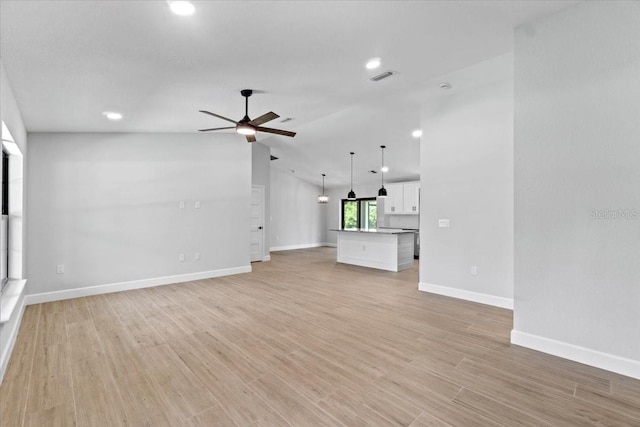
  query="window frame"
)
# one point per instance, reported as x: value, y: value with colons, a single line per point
x: 359, y: 206
x: 5, y: 182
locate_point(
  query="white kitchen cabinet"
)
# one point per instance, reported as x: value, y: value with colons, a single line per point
x: 393, y: 204
x: 411, y: 197
x: 403, y: 198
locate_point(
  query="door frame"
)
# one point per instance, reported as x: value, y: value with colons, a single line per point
x: 262, y: 255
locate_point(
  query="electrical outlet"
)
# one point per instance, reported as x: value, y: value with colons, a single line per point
x: 197, y: 204
x: 181, y: 257
x: 474, y: 270
x: 60, y: 269
x: 181, y: 204
x: 443, y: 223
x: 197, y: 256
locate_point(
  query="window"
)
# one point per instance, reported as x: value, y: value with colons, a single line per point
x: 11, y: 255
x: 5, y: 183
x: 359, y: 213
x: 4, y: 231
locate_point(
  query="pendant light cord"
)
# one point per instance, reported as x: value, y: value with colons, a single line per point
x: 382, y: 167
x: 352, y: 171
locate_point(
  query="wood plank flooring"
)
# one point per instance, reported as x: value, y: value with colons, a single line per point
x: 300, y: 341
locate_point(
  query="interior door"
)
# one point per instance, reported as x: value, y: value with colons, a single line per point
x: 257, y: 223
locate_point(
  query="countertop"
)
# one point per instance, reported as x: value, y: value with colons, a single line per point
x: 374, y: 230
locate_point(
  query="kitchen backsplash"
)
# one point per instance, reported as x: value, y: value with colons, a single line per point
x: 396, y: 221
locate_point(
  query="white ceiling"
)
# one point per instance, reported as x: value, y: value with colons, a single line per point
x: 68, y: 61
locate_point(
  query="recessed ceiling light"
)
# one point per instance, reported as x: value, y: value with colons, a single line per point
x: 416, y: 133
x: 182, y: 8
x: 373, y: 63
x: 384, y: 169
x: 112, y: 115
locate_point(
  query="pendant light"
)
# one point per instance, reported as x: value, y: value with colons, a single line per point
x: 382, y: 192
x: 351, y: 195
x: 323, y: 198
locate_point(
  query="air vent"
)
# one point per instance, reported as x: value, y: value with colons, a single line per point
x: 372, y: 171
x: 286, y: 119
x: 274, y: 158
x: 382, y: 76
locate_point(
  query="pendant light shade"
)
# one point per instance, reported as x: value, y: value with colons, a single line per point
x: 352, y: 194
x: 382, y: 192
x: 323, y: 198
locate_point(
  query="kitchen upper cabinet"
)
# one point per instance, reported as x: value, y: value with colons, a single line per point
x: 411, y: 197
x: 403, y: 198
x: 394, y: 201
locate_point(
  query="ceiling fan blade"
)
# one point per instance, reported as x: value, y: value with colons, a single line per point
x: 251, y: 138
x: 218, y: 116
x: 207, y: 130
x: 267, y: 117
x: 276, y: 131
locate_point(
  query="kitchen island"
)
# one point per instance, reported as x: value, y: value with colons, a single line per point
x: 385, y: 249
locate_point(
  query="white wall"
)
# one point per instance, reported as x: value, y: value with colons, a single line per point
x: 10, y: 115
x: 107, y: 207
x: 467, y: 177
x: 577, y: 151
x: 297, y: 219
x: 261, y: 175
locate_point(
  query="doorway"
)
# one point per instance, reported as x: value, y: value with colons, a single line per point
x: 257, y: 223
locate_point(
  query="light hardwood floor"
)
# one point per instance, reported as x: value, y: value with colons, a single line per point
x: 301, y: 341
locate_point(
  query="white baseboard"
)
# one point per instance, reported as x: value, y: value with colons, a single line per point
x: 266, y: 258
x: 331, y: 245
x: 13, y: 334
x: 609, y: 362
x: 467, y: 295
x: 135, y: 284
x: 292, y: 247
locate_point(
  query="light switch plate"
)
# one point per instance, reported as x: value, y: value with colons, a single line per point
x: 443, y: 223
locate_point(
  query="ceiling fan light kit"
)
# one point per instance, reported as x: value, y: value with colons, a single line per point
x: 323, y: 198
x: 246, y: 126
x: 352, y: 194
x: 382, y: 192
x: 245, y: 129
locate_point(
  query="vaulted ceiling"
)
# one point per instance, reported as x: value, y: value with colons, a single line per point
x: 69, y: 61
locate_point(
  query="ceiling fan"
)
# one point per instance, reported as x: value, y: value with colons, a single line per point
x: 246, y: 126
